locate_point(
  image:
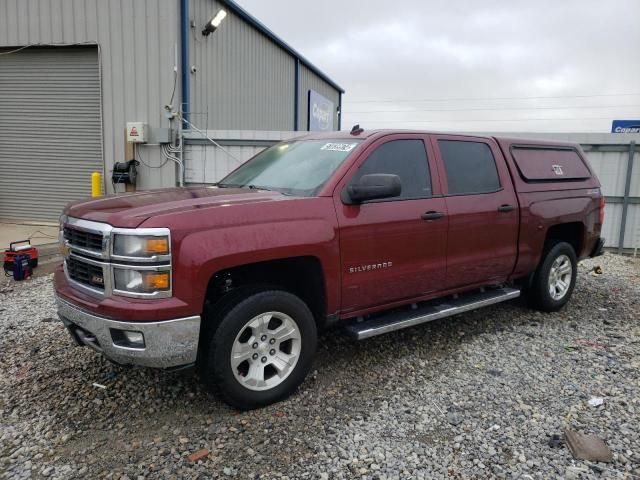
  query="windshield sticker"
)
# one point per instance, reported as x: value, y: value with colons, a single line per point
x: 338, y: 147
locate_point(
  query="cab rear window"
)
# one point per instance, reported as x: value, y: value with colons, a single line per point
x: 549, y: 164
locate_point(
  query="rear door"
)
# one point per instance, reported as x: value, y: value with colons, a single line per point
x: 482, y: 209
x: 393, y: 249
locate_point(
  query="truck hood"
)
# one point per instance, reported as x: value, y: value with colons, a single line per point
x: 129, y: 210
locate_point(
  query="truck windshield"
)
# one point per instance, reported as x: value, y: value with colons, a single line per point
x: 298, y: 168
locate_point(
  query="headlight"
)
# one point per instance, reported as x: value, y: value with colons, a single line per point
x: 140, y: 245
x: 150, y: 248
x: 141, y: 281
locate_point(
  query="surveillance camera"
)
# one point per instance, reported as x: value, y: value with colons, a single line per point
x: 193, y: 69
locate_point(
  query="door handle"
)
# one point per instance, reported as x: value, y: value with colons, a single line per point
x: 505, y: 208
x: 432, y: 215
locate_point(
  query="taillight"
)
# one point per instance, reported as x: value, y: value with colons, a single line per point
x: 602, y: 210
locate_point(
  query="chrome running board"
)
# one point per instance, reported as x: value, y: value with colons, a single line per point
x: 440, y: 308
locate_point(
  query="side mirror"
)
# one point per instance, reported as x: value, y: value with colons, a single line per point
x: 374, y: 186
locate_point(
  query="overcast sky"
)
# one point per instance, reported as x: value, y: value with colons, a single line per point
x: 402, y: 63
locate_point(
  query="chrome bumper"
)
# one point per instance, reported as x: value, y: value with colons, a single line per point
x: 167, y: 344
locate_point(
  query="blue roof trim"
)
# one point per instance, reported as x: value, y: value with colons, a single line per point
x: 258, y: 25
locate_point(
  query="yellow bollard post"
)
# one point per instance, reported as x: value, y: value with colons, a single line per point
x: 96, y: 184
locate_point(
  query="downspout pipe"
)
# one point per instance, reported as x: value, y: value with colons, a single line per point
x: 296, y: 95
x: 184, y: 62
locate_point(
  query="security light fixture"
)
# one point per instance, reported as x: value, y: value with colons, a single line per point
x: 214, y: 23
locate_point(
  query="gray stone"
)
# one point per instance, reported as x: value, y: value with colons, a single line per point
x: 378, y: 409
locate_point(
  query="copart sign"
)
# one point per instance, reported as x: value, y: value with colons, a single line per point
x: 321, y: 112
x: 625, y: 126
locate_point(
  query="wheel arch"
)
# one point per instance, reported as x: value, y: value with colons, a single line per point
x: 303, y: 276
x: 570, y: 232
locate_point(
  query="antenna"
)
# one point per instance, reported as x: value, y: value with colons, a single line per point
x: 356, y: 130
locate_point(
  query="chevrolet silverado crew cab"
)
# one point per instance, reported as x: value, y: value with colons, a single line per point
x: 370, y: 231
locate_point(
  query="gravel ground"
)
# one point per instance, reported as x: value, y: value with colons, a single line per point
x: 476, y: 396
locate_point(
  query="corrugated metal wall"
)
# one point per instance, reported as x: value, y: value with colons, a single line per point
x: 310, y: 81
x: 243, y: 80
x: 50, y: 130
x: 206, y: 163
x: 611, y: 168
x: 136, y: 40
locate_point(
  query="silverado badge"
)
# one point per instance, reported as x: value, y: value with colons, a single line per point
x: 370, y: 266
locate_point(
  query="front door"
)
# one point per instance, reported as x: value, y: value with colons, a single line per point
x: 482, y: 209
x: 393, y: 249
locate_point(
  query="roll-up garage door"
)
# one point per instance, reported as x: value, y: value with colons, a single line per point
x: 50, y: 130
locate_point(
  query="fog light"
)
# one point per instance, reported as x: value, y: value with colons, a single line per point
x: 127, y: 338
x: 134, y: 338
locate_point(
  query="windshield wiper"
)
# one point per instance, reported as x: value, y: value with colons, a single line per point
x: 239, y: 185
x: 259, y: 187
x: 251, y: 187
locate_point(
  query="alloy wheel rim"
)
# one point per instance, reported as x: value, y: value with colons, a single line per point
x: 560, y: 277
x: 266, y: 351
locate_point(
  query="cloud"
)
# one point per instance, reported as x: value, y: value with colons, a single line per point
x: 468, y: 55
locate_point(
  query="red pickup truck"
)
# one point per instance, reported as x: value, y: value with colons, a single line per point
x: 372, y: 231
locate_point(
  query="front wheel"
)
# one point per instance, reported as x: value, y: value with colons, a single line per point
x: 555, y: 278
x: 261, y: 350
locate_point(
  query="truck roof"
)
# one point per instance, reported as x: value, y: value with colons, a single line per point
x: 505, y: 140
x: 363, y: 134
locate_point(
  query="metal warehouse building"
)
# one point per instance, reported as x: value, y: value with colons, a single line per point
x: 73, y: 73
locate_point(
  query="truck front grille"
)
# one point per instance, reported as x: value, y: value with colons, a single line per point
x: 82, y: 239
x: 85, y: 273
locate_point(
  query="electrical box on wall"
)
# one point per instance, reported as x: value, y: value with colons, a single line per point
x: 137, y: 132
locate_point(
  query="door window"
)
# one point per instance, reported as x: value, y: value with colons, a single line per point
x: 470, y: 166
x: 405, y: 158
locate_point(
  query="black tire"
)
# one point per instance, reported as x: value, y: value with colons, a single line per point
x: 539, y: 295
x: 218, y: 373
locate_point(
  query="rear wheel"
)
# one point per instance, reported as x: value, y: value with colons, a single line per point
x: 261, y: 350
x: 555, y: 278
